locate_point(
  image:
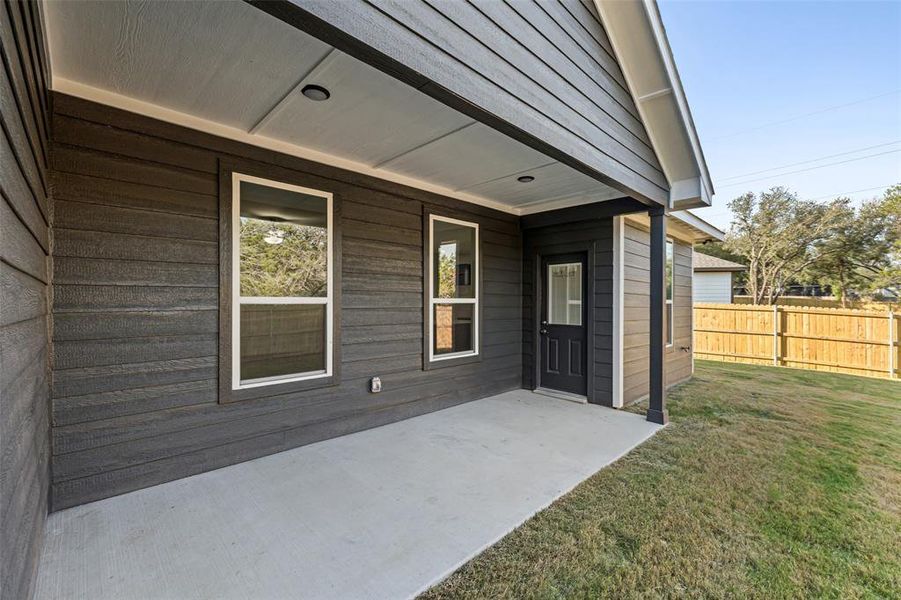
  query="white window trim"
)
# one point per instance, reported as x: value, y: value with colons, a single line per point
x: 670, y: 322
x: 433, y: 301
x: 238, y: 300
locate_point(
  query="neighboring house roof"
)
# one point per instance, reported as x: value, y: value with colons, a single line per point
x: 710, y: 264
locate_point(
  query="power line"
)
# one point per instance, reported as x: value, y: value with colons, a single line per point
x: 725, y: 209
x: 805, y: 115
x: 804, y: 162
x: 841, y: 162
x: 878, y: 187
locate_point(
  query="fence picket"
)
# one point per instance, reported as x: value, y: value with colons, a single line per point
x: 824, y: 339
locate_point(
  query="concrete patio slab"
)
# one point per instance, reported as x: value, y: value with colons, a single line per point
x: 384, y: 513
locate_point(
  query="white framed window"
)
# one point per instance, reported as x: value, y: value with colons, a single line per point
x: 669, y: 293
x: 453, y: 288
x: 282, y: 282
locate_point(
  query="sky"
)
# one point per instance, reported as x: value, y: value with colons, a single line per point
x: 771, y: 84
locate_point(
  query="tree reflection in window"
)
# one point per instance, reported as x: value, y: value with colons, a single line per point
x: 447, y: 270
x: 294, y: 266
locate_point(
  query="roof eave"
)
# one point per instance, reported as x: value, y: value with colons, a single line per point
x: 639, y: 41
x: 719, y: 269
x: 705, y: 231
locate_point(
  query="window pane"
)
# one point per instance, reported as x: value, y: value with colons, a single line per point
x: 283, y: 243
x: 281, y: 339
x: 669, y: 323
x: 565, y: 294
x: 669, y: 270
x: 454, y: 256
x: 454, y: 328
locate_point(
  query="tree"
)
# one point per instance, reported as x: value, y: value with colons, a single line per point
x: 862, y: 255
x: 777, y: 234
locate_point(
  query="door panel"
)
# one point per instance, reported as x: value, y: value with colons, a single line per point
x: 563, y: 327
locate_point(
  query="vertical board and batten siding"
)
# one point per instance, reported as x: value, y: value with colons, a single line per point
x: 636, y: 292
x: 596, y: 238
x: 24, y: 279
x: 542, y: 72
x: 136, y: 296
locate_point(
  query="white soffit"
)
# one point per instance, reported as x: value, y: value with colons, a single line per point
x: 684, y: 225
x: 639, y: 40
x: 230, y: 69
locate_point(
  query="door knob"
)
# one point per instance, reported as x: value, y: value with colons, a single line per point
x: 542, y: 331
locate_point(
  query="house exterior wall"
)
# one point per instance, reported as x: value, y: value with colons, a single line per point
x: 24, y: 279
x: 136, y: 296
x: 636, y: 283
x: 712, y: 287
x: 596, y: 239
x: 544, y: 73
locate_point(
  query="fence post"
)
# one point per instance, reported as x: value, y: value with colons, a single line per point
x: 891, y: 344
x: 776, y: 335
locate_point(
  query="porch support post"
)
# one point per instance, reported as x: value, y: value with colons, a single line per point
x: 657, y: 390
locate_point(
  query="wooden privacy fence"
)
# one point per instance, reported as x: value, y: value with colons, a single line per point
x: 823, y: 339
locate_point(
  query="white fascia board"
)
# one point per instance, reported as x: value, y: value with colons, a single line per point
x: 682, y: 225
x: 689, y: 193
x: 639, y: 41
x: 705, y: 229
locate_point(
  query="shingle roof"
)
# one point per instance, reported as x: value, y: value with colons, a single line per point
x: 705, y: 262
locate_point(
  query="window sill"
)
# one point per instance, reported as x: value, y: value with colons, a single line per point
x: 229, y: 395
x: 428, y: 365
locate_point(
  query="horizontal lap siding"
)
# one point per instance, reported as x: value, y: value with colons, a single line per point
x: 136, y: 294
x: 544, y: 72
x: 636, y: 295
x: 597, y: 238
x: 24, y: 323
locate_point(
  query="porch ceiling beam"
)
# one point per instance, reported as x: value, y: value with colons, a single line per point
x: 583, y: 212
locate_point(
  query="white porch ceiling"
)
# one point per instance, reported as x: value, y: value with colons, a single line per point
x: 233, y: 70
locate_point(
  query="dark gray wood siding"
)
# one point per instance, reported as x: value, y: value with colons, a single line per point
x: 24, y: 279
x: 136, y: 296
x: 596, y: 238
x: 542, y: 72
x: 636, y: 330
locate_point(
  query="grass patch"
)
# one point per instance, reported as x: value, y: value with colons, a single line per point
x: 768, y: 483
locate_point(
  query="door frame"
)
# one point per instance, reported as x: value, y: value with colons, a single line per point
x: 538, y: 255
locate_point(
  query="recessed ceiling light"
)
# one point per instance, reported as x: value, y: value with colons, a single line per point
x: 525, y: 179
x: 315, y: 92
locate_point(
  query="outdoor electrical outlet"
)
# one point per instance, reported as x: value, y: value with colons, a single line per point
x: 375, y: 385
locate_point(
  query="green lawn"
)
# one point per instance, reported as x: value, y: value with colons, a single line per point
x: 768, y: 483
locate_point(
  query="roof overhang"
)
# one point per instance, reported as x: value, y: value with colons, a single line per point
x: 719, y: 269
x: 684, y: 225
x: 639, y: 40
